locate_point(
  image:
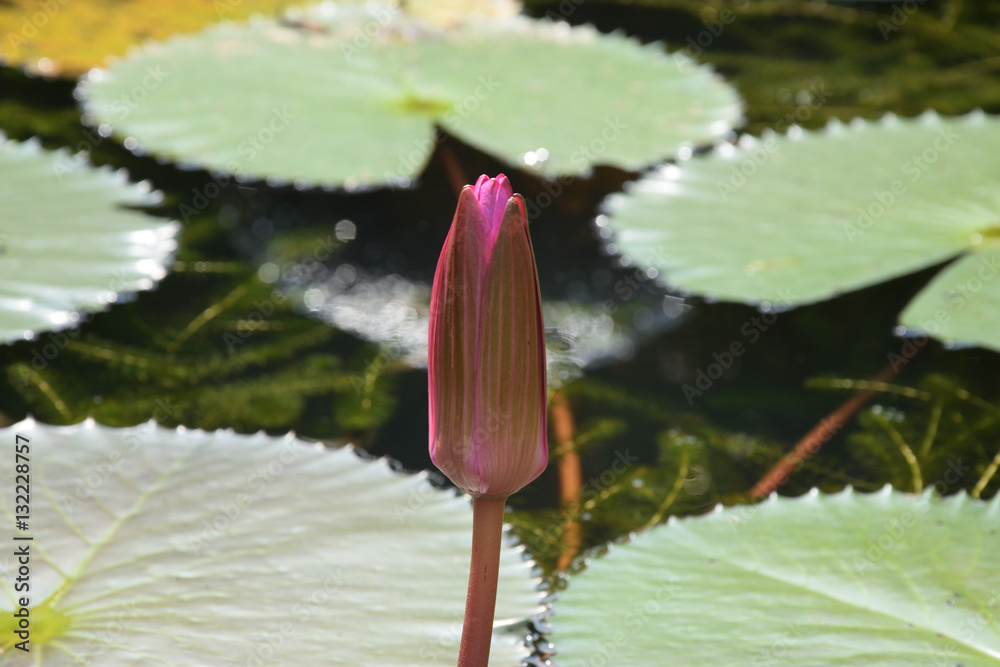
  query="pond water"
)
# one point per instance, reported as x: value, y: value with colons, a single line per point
x: 661, y: 406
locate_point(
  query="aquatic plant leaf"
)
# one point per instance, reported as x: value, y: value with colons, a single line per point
x: 69, y: 239
x: 886, y: 578
x: 795, y: 219
x: 596, y: 99
x: 181, y: 547
x: 962, y: 303
x: 349, y: 96
x: 62, y: 38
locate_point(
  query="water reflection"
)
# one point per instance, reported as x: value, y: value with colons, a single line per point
x: 394, y: 310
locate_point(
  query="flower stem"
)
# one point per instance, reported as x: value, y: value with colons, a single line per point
x: 487, y: 534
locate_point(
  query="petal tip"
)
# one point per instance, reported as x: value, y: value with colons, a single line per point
x: 492, y: 195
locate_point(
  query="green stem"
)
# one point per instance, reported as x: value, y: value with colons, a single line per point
x: 487, y: 534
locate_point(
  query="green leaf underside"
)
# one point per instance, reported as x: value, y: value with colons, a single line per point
x: 846, y: 579
x: 175, y: 547
x: 332, y: 106
x: 67, y: 241
x: 801, y: 218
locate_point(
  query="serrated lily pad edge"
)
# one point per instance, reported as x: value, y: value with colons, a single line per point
x: 742, y: 513
x: 604, y: 228
x: 746, y: 142
x: 519, y: 23
x: 133, y: 194
x: 746, y: 511
x: 529, y: 631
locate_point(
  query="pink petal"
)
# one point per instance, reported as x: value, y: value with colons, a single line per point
x: 510, y: 447
x: 453, y: 338
x: 492, y: 194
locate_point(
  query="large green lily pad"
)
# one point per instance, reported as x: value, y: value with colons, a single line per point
x: 349, y: 96
x: 883, y: 579
x: 800, y: 218
x: 176, y: 547
x: 71, y: 240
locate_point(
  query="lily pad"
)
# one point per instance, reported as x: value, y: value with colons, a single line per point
x: 795, y: 219
x: 178, y: 547
x: 847, y: 579
x: 70, y: 239
x: 961, y: 303
x: 349, y: 96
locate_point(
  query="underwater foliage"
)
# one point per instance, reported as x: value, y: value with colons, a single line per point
x: 292, y: 307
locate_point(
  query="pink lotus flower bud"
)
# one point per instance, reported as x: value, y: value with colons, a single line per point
x: 486, y: 367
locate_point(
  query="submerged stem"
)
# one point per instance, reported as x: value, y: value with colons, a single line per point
x: 487, y: 535
x: 570, y: 477
x: 814, y: 439
x: 991, y: 470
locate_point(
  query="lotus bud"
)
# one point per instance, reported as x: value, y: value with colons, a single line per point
x: 486, y: 367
